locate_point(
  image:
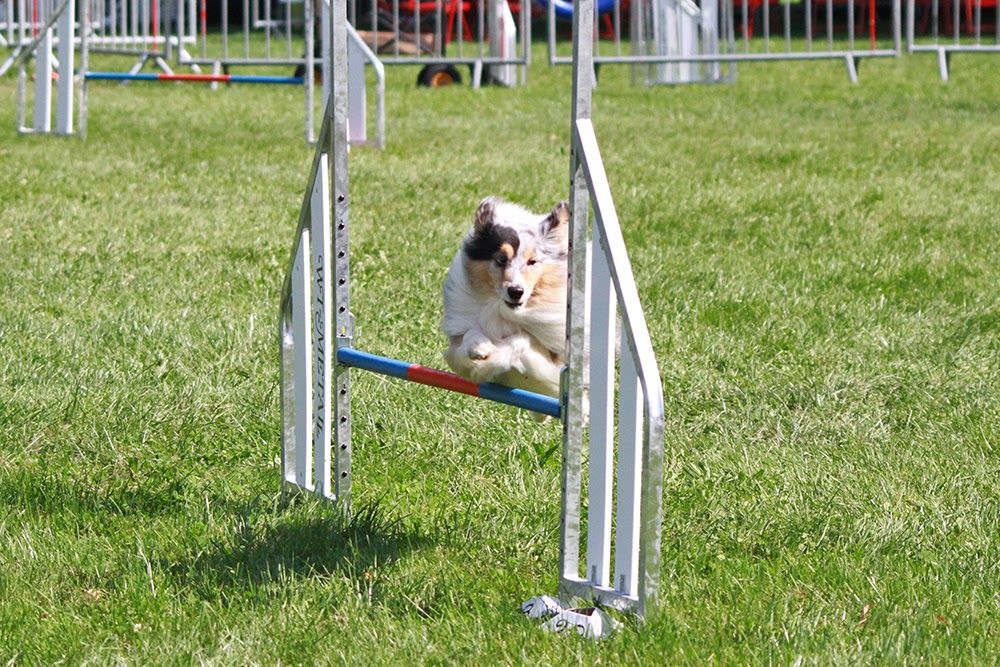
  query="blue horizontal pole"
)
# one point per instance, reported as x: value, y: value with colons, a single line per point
x: 410, y: 372
x: 120, y: 76
x: 348, y: 356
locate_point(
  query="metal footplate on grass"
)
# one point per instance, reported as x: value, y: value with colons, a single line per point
x: 624, y: 468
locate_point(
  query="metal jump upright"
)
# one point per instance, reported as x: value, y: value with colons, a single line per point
x: 625, y: 462
x: 634, y: 580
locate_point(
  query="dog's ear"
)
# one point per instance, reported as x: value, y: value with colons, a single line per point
x: 484, y: 215
x: 556, y: 225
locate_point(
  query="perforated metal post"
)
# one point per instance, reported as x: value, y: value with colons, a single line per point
x: 573, y: 375
x: 636, y: 446
x: 342, y: 318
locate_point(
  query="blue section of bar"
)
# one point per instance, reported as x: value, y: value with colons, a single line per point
x: 493, y: 392
x: 121, y: 76
x: 251, y: 78
x: 528, y: 400
x: 372, y: 362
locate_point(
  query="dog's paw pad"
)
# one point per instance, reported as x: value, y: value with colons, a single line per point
x: 481, y: 351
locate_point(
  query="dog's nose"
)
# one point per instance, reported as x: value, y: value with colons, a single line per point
x: 515, y: 292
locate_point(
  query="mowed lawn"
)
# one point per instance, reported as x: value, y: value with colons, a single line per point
x: 819, y: 264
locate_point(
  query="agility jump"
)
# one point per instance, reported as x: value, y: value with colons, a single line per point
x: 61, y: 26
x: 195, y: 78
x: 625, y: 464
x: 431, y: 377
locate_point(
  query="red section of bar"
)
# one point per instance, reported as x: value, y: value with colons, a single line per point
x: 208, y: 78
x: 436, y: 378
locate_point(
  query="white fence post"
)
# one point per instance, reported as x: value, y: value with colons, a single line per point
x: 302, y: 335
x: 322, y: 327
x: 67, y: 65
x: 43, y: 84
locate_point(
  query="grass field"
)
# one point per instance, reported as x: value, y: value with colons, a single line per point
x: 819, y: 266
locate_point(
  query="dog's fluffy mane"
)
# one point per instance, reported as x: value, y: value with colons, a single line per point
x: 468, y: 302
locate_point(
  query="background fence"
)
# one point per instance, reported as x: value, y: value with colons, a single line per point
x: 681, y: 41
x: 141, y: 29
x: 492, y: 37
x: 944, y: 27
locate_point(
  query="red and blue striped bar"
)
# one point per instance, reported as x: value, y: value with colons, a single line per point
x: 197, y: 78
x: 404, y: 370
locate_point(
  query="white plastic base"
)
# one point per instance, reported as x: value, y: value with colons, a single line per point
x: 590, y: 621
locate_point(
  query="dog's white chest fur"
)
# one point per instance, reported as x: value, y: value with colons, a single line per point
x: 464, y: 309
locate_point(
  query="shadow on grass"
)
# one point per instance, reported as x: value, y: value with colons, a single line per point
x: 297, y: 539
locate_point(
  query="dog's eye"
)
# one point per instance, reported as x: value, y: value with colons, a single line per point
x: 532, y: 262
x: 501, y: 261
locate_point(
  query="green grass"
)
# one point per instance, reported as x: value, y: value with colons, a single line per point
x: 818, y: 263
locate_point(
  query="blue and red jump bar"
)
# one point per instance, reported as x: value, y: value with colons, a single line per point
x: 197, y: 78
x: 404, y: 370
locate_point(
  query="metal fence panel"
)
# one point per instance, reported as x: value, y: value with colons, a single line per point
x: 483, y: 34
x: 683, y: 41
x: 944, y: 27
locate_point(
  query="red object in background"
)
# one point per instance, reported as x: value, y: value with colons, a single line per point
x: 862, y: 9
x: 450, y: 10
x: 946, y: 16
x: 945, y: 13
x: 752, y: 7
x: 970, y: 15
x: 155, y: 21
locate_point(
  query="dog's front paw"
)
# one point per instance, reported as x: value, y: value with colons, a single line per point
x: 539, y: 417
x: 483, y: 371
x: 517, y: 347
x: 481, y: 350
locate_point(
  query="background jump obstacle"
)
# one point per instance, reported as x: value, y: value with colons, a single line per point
x: 624, y: 469
x: 196, y: 78
x: 66, y: 32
